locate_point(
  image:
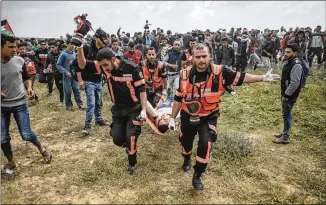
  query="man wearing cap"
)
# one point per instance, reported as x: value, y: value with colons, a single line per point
x: 127, y: 89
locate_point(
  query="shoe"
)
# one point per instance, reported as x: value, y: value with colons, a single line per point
x: 131, y: 169
x: 282, y: 140
x: 278, y: 136
x: 49, y: 94
x: 70, y: 109
x: 86, y: 130
x: 81, y: 108
x: 186, y: 164
x: 60, y: 104
x: 102, y: 123
x: 196, y: 181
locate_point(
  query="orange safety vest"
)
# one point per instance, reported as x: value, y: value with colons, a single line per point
x: 30, y: 67
x: 188, y: 56
x: 157, y: 81
x: 210, y: 101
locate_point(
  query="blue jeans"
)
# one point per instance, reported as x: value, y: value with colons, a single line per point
x: 94, y: 98
x: 287, y: 106
x: 21, y: 116
x: 69, y: 86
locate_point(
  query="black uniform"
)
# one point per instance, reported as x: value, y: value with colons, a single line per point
x: 206, y: 135
x: 125, y: 85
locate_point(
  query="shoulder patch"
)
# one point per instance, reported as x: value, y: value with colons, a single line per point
x: 141, y: 74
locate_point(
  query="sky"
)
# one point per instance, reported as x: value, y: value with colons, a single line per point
x: 55, y: 18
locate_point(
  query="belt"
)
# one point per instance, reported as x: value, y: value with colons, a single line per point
x: 174, y: 74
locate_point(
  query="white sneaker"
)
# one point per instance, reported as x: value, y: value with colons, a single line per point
x: 60, y: 104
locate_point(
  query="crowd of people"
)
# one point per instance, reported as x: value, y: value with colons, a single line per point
x: 153, y: 77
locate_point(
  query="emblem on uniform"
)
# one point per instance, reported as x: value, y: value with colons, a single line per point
x: 141, y: 75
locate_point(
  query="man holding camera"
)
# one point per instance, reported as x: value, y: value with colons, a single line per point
x: 198, y: 97
x: 155, y: 77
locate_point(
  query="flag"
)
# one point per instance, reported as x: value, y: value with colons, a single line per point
x: 5, y: 28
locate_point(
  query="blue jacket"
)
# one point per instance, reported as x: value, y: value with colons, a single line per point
x: 63, y: 63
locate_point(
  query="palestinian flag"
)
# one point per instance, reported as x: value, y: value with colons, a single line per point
x: 5, y: 28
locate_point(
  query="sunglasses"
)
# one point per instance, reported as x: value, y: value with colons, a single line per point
x: 43, y: 44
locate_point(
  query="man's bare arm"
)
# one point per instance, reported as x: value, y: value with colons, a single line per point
x: 175, y: 109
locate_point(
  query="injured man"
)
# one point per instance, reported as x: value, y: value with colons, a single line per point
x: 158, y: 118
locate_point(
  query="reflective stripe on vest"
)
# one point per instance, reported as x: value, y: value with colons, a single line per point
x: 210, y: 101
x: 157, y: 81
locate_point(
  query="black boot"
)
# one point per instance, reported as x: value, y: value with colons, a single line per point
x: 132, y: 163
x: 196, y: 181
x: 186, y: 163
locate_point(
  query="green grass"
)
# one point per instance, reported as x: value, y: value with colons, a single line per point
x: 245, y: 167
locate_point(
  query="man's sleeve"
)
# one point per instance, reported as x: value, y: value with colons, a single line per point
x: 138, y: 79
x: 25, y: 75
x: 60, y: 61
x: 295, y: 78
x: 231, y: 77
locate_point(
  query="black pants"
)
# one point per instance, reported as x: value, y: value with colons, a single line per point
x: 312, y: 53
x: 154, y: 98
x: 50, y: 81
x: 207, y: 135
x: 59, y: 84
x: 241, y: 63
x: 125, y: 130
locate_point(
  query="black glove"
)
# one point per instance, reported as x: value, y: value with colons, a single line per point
x: 77, y: 39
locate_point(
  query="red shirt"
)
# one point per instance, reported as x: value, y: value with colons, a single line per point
x: 136, y: 57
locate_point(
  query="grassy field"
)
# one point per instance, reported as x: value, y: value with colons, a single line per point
x: 246, y: 167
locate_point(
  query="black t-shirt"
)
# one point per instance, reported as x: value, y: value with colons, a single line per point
x: 89, y: 73
x: 228, y: 76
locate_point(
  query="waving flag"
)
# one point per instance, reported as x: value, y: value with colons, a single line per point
x: 5, y: 28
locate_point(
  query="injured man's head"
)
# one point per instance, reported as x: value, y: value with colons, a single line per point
x: 162, y: 122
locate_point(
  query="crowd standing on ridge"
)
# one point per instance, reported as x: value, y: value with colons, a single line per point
x: 156, y: 77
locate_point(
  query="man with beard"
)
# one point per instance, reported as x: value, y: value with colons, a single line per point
x: 132, y: 54
x: 291, y: 84
x: 127, y: 89
x: 198, y: 97
x: 241, y: 53
x: 155, y: 77
x: 172, y: 61
x: 186, y: 59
